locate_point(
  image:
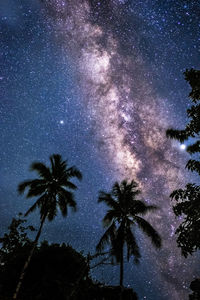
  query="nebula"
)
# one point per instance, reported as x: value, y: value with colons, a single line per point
x: 129, y: 121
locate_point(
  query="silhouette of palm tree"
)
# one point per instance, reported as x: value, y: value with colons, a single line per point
x: 53, y: 188
x: 123, y: 215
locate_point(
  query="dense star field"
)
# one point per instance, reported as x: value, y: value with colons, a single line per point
x: 100, y: 82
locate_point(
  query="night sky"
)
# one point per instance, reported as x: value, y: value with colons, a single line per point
x: 99, y: 82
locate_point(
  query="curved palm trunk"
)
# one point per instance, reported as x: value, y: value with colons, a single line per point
x: 29, y: 258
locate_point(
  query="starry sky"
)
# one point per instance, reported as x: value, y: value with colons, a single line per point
x: 100, y: 82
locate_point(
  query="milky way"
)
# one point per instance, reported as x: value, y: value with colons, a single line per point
x: 128, y: 119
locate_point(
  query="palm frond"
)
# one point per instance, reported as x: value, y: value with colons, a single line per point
x: 41, y: 169
x: 74, y: 172
x: 149, y: 230
x: 140, y: 207
x: 107, y: 198
x: 58, y: 166
x: 22, y: 186
x: 117, y: 242
x: 134, y: 185
x: 134, y: 193
x: 129, y: 188
x: 52, y: 164
x: 110, y: 216
x: 116, y: 191
x: 39, y: 203
x: 132, y: 246
x: 62, y: 205
x: 36, y: 190
x: 128, y: 193
x: 52, y: 211
x: 68, y: 197
x: 107, y: 237
x: 124, y: 185
x: 65, y: 182
x: 57, y: 159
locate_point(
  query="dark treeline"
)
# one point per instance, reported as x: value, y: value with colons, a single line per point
x: 33, y: 270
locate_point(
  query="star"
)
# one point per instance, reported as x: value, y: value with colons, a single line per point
x: 182, y: 146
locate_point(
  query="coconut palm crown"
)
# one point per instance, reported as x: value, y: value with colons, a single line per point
x: 53, y: 187
x: 124, y: 214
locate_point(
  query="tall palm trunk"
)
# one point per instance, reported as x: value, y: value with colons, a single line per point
x: 29, y: 258
x: 121, y: 271
x: 121, y: 268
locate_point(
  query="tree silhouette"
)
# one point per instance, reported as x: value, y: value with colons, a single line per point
x: 195, y: 287
x: 16, y: 239
x: 188, y: 199
x: 52, y: 273
x: 54, y: 190
x: 123, y: 214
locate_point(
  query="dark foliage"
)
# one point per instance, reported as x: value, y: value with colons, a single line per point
x: 195, y: 287
x: 52, y: 274
x: 55, y: 271
x: 101, y: 292
x: 188, y: 199
x: 15, y: 240
x: 188, y: 205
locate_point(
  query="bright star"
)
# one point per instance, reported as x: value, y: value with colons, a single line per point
x: 182, y: 146
x: 61, y: 122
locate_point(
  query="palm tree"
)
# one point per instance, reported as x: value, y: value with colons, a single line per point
x: 123, y: 215
x: 53, y: 189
